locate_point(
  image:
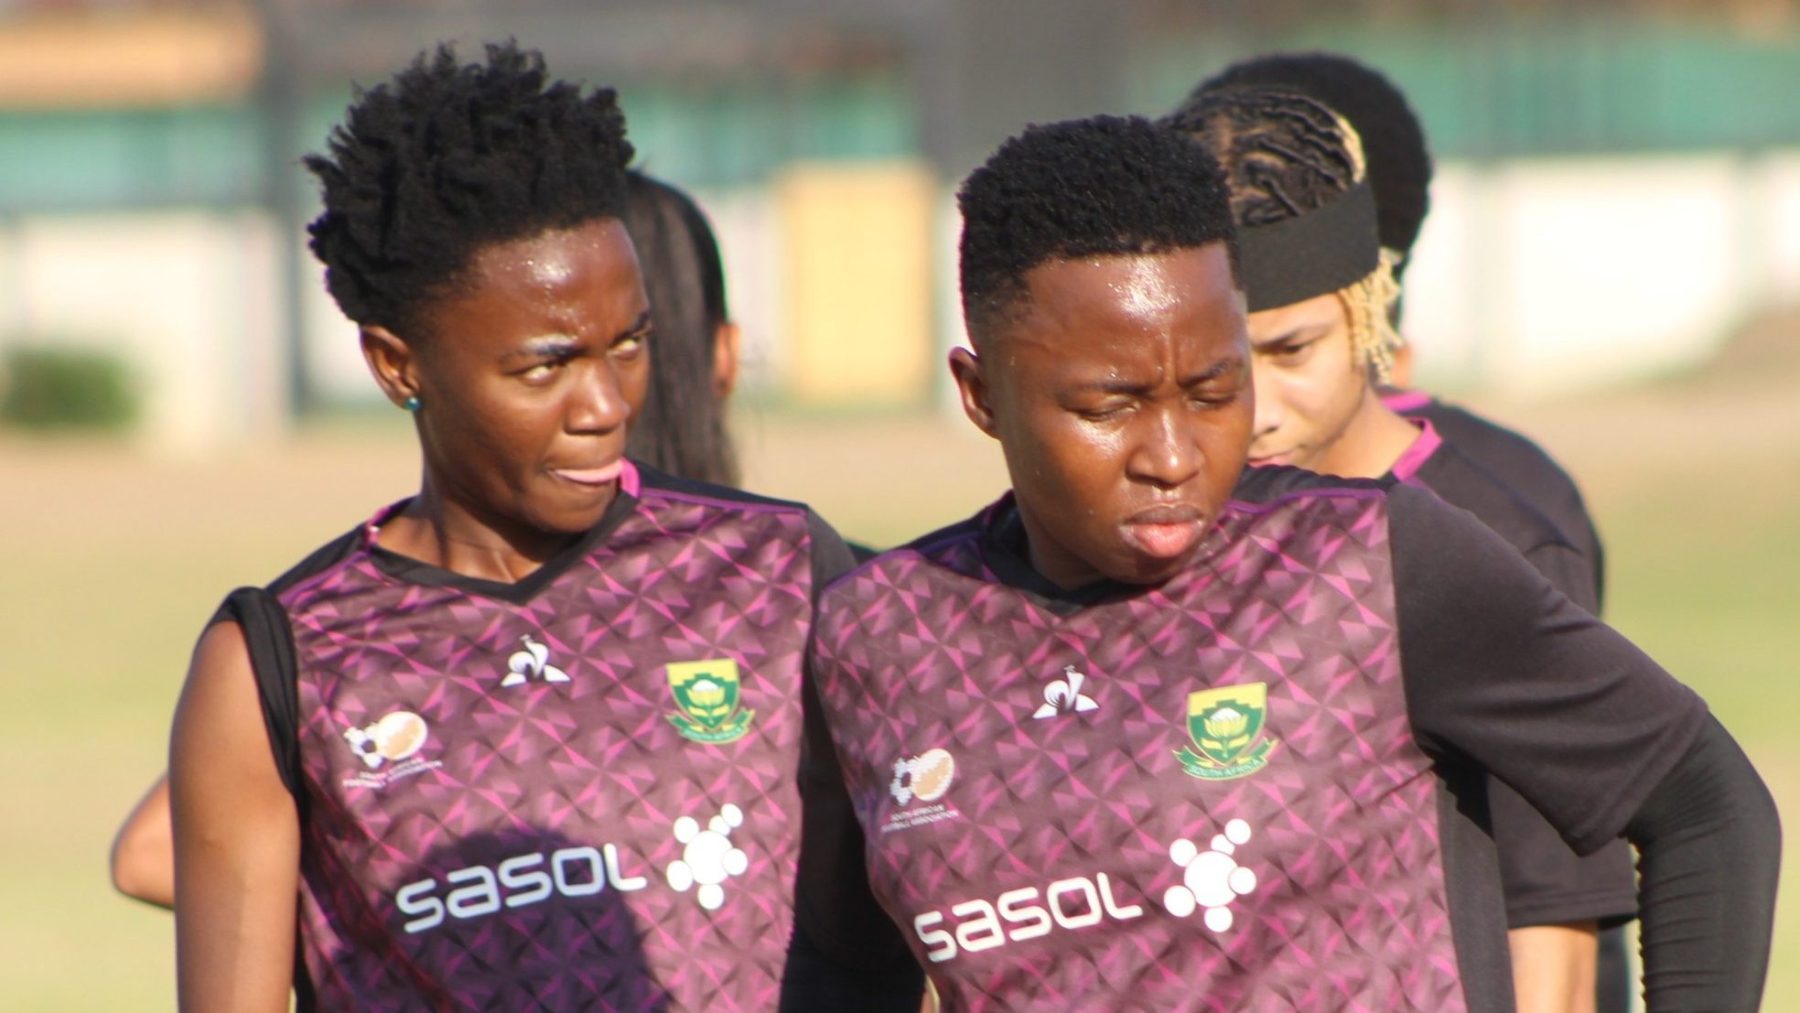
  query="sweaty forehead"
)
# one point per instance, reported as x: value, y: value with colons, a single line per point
x: 1094, y: 301
x: 557, y: 259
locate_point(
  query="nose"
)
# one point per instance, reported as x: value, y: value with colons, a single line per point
x: 597, y: 402
x: 1166, y: 453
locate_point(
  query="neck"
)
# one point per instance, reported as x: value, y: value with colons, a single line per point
x: 1370, y: 444
x: 442, y: 529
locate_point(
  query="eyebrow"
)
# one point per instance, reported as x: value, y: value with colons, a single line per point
x: 1223, y: 367
x: 1292, y: 334
x: 552, y: 345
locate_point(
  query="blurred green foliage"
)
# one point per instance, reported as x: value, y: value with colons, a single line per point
x: 50, y: 387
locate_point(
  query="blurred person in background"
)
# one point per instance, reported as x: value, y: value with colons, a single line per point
x: 1319, y: 288
x: 1548, y: 888
x: 1400, y: 171
x: 680, y: 429
x: 528, y: 738
x: 1157, y: 730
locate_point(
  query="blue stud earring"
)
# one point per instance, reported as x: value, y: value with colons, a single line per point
x: 412, y: 403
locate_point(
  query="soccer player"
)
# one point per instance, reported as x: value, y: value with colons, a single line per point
x: 679, y: 430
x: 529, y: 738
x: 1162, y: 732
x: 1553, y: 949
x: 1400, y: 175
x: 1318, y: 291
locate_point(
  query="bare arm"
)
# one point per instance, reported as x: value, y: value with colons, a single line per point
x: 143, y: 853
x: 237, y: 839
x: 1555, y: 967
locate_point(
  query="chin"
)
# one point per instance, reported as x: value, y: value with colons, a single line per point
x: 1149, y: 571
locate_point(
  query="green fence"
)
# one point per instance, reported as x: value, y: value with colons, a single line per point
x: 1520, y: 87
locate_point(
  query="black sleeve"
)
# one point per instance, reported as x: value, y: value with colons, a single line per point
x: 831, y: 558
x: 845, y: 953
x: 270, y: 640
x: 1546, y: 883
x: 1503, y: 669
x: 1711, y: 846
x: 1567, y: 571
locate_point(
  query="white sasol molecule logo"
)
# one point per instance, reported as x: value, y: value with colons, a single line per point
x: 396, y: 736
x: 1212, y: 879
x: 709, y: 858
x: 532, y: 663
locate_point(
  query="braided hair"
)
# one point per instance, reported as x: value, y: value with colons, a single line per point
x: 447, y: 158
x: 1284, y: 156
x: 1399, y: 161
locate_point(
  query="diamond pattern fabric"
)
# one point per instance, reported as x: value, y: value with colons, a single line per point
x: 557, y: 844
x: 1075, y: 860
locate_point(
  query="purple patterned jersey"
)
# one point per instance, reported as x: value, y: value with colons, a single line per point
x: 1245, y: 788
x: 575, y: 792
x: 1148, y: 800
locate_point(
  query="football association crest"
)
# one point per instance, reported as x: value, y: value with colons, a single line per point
x: 708, y: 694
x: 1226, y: 726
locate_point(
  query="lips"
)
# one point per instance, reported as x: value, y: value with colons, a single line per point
x: 1269, y: 460
x: 597, y: 476
x: 1165, y: 531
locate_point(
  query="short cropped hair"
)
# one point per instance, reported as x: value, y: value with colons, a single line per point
x: 447, y: 158
x: 1394, y: 141
x: 1102, y: 186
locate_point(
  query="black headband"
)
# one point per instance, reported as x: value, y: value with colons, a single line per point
x: 1315, y: 253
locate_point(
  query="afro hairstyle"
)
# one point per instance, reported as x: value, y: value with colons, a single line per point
x: 1102, y: 186
x: 448, y: 158
x: 1393, y: 140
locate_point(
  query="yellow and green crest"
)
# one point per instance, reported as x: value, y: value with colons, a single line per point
x: 708, y: 694
x: 1226, y: 725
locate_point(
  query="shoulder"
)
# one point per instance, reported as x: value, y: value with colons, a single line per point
x: 955, y: 546
x: 1462, y: 481
x: 1505, y: 451
x: 660, y: 487
x: 319, y: 560
x: 1269, y: 486
x: 759, y: 520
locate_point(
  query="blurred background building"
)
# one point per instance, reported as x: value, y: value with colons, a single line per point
x: 1618, y: 185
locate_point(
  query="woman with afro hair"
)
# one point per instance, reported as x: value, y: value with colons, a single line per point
x: 528, y: 738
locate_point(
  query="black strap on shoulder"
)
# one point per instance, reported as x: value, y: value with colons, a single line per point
x: 270, y: 641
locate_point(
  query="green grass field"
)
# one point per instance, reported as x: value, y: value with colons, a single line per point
x: 110, y: 561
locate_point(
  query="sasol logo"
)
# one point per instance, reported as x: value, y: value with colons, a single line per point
x: 478, y: 890
x: 1016, y: 916
x: 708, y: 857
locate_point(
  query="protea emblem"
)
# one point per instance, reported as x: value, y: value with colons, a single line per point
x: 708, y: 694
x: 1226, y: 726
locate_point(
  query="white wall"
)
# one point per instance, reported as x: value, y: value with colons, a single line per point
x: 188, y: 298
x: 1556, y: 274
x: 1538, y: 275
